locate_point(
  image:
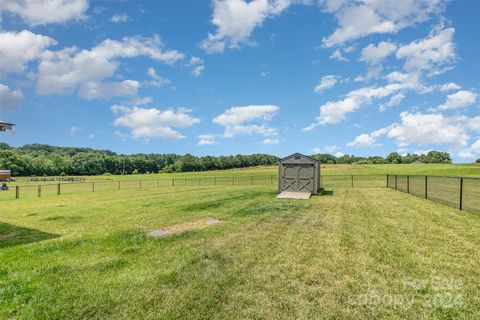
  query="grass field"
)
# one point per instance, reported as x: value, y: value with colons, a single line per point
x: 354, y: 253
x: 429, y: 169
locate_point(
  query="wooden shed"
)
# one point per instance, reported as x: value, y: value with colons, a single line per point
x: 5, y: 175
x: 299, y: 173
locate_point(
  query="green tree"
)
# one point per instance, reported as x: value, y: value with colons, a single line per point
x: 394, y: 157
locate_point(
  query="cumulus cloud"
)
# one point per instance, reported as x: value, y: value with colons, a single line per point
x: 41, y: 12
x: 459, y: 100
x: 394, y: 101
x: 334, y: 112
x: 419, y: 129
x: 152, y: 122
x: 358, y: 19
x: 235, y: 21
x: 119, y: 18
x: 85, y: 71
x: 271, y: 141
x: 337, y: 55
x: 325, y: 83
x: 107, y: 90
x: 472, y: 151
x: 430, y: 53
x: 17, y: 49
x: 75, y: 129
x: 248, y: 120
x: 157, y: 81
x: 197, y: 66
x: 206, y: 139
x: 375, y: 54
x: 9, y: 98
x: 449, y: 87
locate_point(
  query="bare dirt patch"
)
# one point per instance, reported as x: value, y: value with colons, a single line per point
x: 184, y: 226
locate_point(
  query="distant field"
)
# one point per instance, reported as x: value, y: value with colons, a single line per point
x: 354, y: 254
x: 430, y: 169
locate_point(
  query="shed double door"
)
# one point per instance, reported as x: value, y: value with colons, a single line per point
x: 298, y: 177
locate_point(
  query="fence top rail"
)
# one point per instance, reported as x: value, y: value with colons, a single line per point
x: 147, y: 180
x: 434, y: 176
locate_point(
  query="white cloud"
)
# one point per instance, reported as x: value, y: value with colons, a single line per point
x: 206, y: 139
x: 17, y: 49
x: 394, y: 101
x: 449, y: 87
x: 157, y: 81
x: 325, y: 83
x: 362, y: 18
x: 366, y: 140
x: 375, y: 54
x: 235, y: 21
x: 71, y: 69
x: 9, y: 98
x: 419, y: 129
x: 197, y: 66
x: 472, y: 151
x: 271, y: 141
x: 248, y: 120
x: 75, y: 129
x: 334, y: 112
x: 459, y: 100
x: 40, y: 12
x: 337, y: 55
x: 152, y: 123
x: 429, y: 53
x: 119, y: 18
x: 107, y: 90
x: 328, y: 149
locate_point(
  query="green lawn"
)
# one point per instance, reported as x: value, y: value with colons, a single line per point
x: 352, y: 254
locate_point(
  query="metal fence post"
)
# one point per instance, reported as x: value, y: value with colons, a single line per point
x: 387, y: 180
x: 271, y: 180
x: 408, y: 183
x: 173, y: 182
x: 396, y: 178
x: 93, y: 186
x: 58, y: 189
x: 158, y: 183
x: 460, y: 203
x: 140, y: 184
x: 233, y: 181
x: 352, y: 180
x: 251, y: 180
x: 17, y: 192
x: 119, y: 185
x: 215, y: 181
x: 426, y: 187
x: 39, y: 190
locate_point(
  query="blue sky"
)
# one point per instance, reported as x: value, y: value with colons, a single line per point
x: 226, y: 77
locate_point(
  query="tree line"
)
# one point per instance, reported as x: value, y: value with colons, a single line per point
x: 40, y: 160
x: 394, y: 157
x: 46, y: 160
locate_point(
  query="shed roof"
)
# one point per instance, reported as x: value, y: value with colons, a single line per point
x: 296, y: 154
x: 4, y: 126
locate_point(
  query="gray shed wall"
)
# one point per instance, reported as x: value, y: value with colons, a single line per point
x: 299, y: 173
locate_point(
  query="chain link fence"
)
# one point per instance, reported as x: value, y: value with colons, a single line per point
x: 60, y: 188
x: 459, y: 192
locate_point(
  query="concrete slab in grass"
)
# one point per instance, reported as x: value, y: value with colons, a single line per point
x: 294, y: 195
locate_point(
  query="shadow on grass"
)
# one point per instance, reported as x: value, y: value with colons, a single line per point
x: 11, y: 235
x: 324, y: 192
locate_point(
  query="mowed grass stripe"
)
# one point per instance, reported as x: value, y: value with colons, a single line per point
x: 267, y: 259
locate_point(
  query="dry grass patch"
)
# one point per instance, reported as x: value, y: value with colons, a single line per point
x: 184, y: 226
